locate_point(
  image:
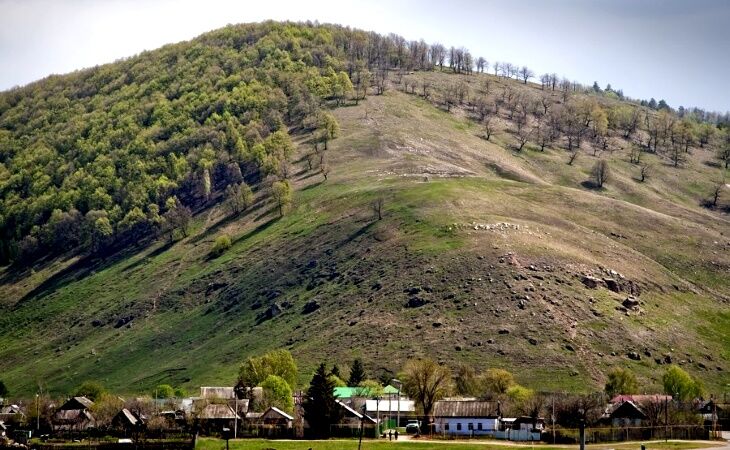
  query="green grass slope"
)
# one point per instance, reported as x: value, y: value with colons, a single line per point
x: 491, y: 243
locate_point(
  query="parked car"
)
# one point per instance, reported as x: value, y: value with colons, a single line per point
x: 413, y: 427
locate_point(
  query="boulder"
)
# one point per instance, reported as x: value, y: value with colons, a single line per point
x: 630, y: 302
x: 590, y: 282
x: 415, y: 302
x: 633, y: 356
x: 310, y: 307
x: 269, y: 313
x: 612, y: 284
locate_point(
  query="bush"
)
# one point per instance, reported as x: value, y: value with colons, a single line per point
x: 222, y: 243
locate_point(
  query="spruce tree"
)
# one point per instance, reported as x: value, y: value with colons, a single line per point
x: 320, y: 407
x: 357, y: 373
x: 335, y: 370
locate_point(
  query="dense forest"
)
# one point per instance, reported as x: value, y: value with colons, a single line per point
x: 127, y: 151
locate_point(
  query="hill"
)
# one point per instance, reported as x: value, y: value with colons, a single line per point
x: 488, y: 251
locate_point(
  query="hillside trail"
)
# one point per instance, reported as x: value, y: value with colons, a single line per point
x: 172, y: 276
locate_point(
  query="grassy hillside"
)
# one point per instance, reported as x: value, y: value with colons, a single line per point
x: 479, y: 257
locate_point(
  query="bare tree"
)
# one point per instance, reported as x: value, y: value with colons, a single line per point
x: 545, y: 134
x: 438, y: 55
x: 635, y: 152
x: 676, y: 154
x: 526, y: 74
x: 646, y: 170
x: 523, y: 136
x: 489, y: 127
x: 600, y: 172
x: 378, y: 207
x: 717, y: 189
x: 544, y: 81
x: 480, y: 64
x: 573, y: 156
x: 426, y: 89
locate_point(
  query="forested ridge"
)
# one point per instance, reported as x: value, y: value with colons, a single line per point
x: 118, y: 152
x: 121, y: 152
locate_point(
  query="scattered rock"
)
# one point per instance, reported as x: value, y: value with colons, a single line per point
x: 412, y: 290
x: 532, y: 341
x: 634, y: 356
x: 415, y: 302
x: 123, y: 321
x: 269, y: 313
x: 630, y: 302
x: 310, y: 307
x: 457, y: 348
x: 590, y: 282
x: 503, y: 331
x: 436, y: 324
x: 96, y: 323
x: 569, y: 347
x: 612, y: 284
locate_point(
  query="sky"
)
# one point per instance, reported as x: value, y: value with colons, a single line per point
x: 671, y: 49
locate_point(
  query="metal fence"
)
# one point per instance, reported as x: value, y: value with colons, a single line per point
x: 630, y: 433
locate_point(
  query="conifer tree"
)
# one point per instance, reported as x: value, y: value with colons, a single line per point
x: 357, y: 373
x: 320, y: 406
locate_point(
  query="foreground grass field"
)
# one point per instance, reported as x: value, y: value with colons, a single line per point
x: 262, y: 444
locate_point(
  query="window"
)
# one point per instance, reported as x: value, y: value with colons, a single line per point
x: 458, y: 426
x: 446, y: 426
x: 471, y: 426
x: 479, y: 426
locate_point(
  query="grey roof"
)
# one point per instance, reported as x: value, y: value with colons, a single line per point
x: 464, y: 408
x: 128, y: 416
x: 274, y: 412
x: 77, y: 403
x: 217, y: 411
x: 223, y: 392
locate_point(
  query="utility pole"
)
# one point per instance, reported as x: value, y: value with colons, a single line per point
x: 37, y: 414
x: 362, y: 421
x: 666, y: 418
x: 553, y: 417
x: 400, y: 385
x: 582, y: 429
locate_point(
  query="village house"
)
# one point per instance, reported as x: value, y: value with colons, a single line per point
x: 213, y: 417
x: 465, y: 417
x: 272, y: 423
x: 11, y: 414
x: 74, y: 415
x: 623, y: 414
x: 127, y: 422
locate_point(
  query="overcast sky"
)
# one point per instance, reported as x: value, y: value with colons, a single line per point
x: 672, y: 49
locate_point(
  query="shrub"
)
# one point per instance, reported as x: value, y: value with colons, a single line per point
x: 222, y: 243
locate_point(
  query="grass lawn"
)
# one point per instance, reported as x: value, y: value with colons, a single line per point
x: 263, y: 444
